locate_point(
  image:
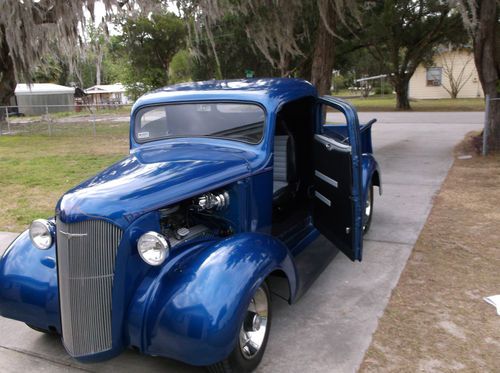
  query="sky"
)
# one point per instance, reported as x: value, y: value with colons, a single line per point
x: 100, y: 12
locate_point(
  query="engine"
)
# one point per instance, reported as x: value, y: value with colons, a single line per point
x: 197, y: 218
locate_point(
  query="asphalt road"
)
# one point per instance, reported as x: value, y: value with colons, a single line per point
x: 331, y: 326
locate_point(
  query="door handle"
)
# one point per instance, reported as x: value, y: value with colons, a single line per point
x: 331, y: 144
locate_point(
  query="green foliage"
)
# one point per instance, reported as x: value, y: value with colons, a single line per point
x: 385, y: 88
x: 234, y: 50
x: 181, y: 67
x: 339, y: 82
x: 148, y: 44
x: 51, y: 69
x: 356, y: 60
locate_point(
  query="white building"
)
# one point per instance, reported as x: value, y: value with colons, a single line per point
x: 430, y: 82
x: 39, y: 98
x: 107, y: 94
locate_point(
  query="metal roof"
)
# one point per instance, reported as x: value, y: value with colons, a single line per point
x: 42, y: 89
x: 270, y: 92
x: 106, y: 88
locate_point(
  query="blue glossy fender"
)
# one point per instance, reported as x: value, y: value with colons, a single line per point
x: 192, y: 308
x: 28, y: 284
x: 370, y: 172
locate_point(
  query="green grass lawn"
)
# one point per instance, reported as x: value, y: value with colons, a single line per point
x: 36, y: 170
x: 388, y: 103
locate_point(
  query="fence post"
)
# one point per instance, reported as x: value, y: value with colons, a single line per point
x: 48, y: 119
x: 486, y: 129
x: 93, y: 124
x: 7, y: 118
x: 1, y: 127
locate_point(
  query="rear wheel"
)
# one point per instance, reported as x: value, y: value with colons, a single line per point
x: 368, y: 210
x: 253, y: 336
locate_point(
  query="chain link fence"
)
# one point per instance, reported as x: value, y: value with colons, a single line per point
x: 56, y: 120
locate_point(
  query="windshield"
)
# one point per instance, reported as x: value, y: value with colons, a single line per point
x: 238, y: 121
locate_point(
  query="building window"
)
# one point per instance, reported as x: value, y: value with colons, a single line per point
x: 434, y: 75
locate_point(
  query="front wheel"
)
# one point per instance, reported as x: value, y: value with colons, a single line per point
x: 253, y: 336
x: 40, y: 330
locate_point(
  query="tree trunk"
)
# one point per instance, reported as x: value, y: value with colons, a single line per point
x: 7, y: 76
x: 323, y: 55
x: 98, y: 65
x: 401, y: 87
x: 488, y: 64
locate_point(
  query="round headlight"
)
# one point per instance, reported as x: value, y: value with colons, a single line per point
x: 41, y: 234
x: 153, y: 248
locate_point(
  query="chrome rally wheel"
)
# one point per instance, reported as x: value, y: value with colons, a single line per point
x: 368, y: 209
x: 252, y: 337
x: 254, y: 329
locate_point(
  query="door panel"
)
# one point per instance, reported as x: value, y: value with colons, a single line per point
x: 337, y: 210
x: 332, y: 210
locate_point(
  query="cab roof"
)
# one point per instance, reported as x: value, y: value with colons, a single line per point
x: 269, y: 92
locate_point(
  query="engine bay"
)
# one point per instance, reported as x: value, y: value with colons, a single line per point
x: 196, y: 218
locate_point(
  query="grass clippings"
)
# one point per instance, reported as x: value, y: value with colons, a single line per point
x: 436, y: 319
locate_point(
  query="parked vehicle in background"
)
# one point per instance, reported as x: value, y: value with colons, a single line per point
x: 175, y: 250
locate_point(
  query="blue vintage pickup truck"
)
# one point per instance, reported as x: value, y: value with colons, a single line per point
x: 175, y: 250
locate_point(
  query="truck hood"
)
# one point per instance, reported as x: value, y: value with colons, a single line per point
x: 154, y: 177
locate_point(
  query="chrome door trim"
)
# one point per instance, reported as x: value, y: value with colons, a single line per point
x: 323, y: 199
x: 326, y: 179
x: 331, y: 144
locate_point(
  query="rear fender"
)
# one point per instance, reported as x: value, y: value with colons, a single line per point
x: 192, y: 309
x: 370, y: 173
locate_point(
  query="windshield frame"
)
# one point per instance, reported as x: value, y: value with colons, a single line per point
x: 162, y: 104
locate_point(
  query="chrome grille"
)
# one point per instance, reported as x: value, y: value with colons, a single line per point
x: 86, y: 253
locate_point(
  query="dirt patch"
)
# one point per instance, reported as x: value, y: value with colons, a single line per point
x: 436, y: 319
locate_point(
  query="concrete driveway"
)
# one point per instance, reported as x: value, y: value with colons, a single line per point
x: 331, y: 326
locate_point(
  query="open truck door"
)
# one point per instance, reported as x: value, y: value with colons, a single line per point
x: 337, y: 206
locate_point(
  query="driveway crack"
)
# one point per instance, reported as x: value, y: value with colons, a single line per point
x: 44, y: 357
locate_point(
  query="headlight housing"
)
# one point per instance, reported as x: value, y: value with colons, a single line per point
x: 42, y: 234
x: 153, y: 248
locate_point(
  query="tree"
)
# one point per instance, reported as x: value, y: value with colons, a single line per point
x: 457, y: 76
x: 26, y: 29
x: 180, y: 67
x: 149, y: 42
x: 481, y: 19
x: 228, y: 61
x: 96, y: 47
x: 52, y: 68
x: 401, y: 34
x: 296, y: 37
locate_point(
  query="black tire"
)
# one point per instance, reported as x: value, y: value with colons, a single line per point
x: 367, y: 217
x: 40, y: 330
x: 236, y: 362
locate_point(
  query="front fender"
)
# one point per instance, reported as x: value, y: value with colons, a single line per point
x: 370, y: 173
x: 193, y: 308
x: 28, y: 284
